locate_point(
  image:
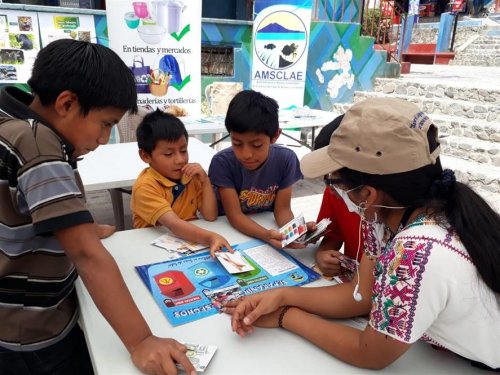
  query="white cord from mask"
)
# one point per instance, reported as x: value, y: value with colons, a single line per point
x: 356, y: 294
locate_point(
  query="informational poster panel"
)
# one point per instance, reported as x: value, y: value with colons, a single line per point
x: 19, y: 45
x: 195, y: 287
x: 55, y: 26
x: 160, y: 40
x: 280, y: 45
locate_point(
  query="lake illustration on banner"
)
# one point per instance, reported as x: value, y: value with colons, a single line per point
x: 280, y: 39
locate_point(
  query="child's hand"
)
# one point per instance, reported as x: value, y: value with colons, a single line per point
x: 217, y: 243
x: 274, y: 238
x: 311, y: 226
x: 296, y: 245
x: 328, y: 261
x: 154, y: 354
x: 195, y: 170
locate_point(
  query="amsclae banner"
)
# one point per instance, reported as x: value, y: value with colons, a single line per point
x: 280, y: 45
x: 160, y: 41
x: 19, y: 45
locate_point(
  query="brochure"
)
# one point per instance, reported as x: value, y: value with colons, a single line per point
x: 293, y: 230
x: 194, y: 287
x: 296, y: 230
x: 233, y: 262
x: 177, y: 247
x: 199, y: 355
x: 321, y: 230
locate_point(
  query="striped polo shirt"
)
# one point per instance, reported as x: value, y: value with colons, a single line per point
x: 40, y: 193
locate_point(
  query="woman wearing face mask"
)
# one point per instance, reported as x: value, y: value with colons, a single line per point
x: 438, y: 277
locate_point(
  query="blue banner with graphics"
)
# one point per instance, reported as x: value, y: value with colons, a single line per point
x: 280, y: 45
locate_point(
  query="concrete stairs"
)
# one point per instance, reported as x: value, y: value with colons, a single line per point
x: 469, y: 127
x: 483, y: 51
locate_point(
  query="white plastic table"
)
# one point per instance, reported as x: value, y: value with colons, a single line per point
x: 266, y: 351
x: 116, y: 166
x: 288, y: 119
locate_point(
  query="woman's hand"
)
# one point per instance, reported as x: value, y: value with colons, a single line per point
x: 254, y: 310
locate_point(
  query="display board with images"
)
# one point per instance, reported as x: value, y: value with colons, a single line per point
x: 195, y: 287
x: 54, y: 26
x: 160, y: 41
x: 19, y: 45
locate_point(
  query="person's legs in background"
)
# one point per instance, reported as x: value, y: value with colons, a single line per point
x: 470, y: 7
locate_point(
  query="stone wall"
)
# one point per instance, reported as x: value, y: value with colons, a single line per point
x: 426, y: 34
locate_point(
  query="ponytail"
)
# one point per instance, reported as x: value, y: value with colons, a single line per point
x: 475, y: 222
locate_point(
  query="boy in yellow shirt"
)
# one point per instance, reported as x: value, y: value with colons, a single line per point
x: 171, y: 191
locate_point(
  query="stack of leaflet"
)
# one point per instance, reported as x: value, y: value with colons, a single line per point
x: 177, y: 247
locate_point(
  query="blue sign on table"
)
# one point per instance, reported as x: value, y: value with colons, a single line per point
x: 195, y: 287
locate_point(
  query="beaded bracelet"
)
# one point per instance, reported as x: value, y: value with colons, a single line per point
x: 282, y: 315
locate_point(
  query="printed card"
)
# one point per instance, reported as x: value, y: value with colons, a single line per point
x: 321, y: 230
x: 343, y: 277
x: 199, y: 355
x: 172, y: 243
x: 221, y: 296
x: 349, y: 264
x: 293, y: 230
x: 233, y: 262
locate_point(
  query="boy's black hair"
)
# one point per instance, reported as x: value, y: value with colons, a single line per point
x: 251, y: 111
x: 159, y: 126
x: 323, y: 138
x: 94, y: 73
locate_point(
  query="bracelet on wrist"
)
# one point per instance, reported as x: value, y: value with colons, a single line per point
x: 282, y: 315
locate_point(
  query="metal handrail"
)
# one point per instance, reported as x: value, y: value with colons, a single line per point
x: 385, y: 20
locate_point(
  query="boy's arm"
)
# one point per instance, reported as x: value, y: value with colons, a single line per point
x: 191, y: 232
x: 101, y: 276
x: 242, y: 222
x: 282, y: 209
x: 208, y: 207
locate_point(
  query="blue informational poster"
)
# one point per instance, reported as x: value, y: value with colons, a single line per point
x: 195, y: 287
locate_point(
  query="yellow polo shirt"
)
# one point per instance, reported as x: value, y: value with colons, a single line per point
x: 152, y: 196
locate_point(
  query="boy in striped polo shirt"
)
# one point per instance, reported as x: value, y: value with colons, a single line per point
x: 47, y: 235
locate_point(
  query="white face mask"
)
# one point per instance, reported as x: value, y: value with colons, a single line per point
x: 351, y: 206
x: 375, y: 233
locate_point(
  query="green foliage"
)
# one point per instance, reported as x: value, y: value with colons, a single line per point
x: 372, y: 22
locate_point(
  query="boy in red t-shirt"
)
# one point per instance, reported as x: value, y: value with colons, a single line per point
x: 344, y: 228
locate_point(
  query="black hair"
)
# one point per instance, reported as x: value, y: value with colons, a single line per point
x: 475, y: 222
x: 252, y: 111
x: 323, y: 138
x: 159, y: 126
x: 94, y: 73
